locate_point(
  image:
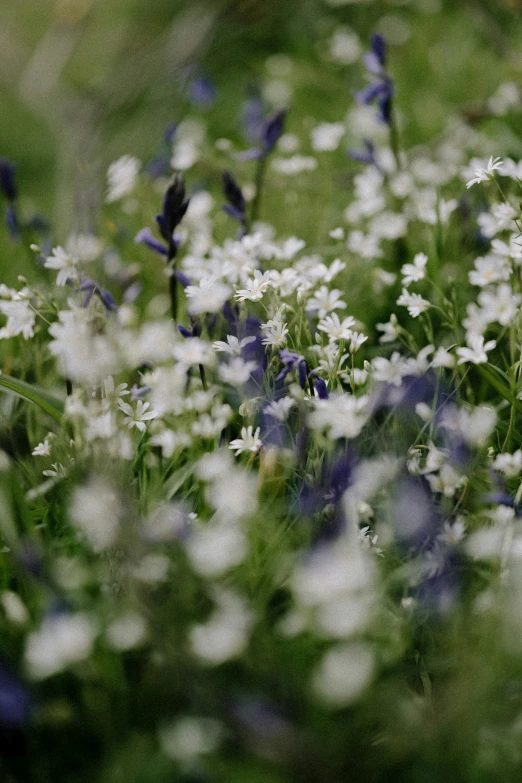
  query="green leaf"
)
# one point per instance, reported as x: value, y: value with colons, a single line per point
x: 177, y: 479
x: 499, y: 386
x: 51, y: 405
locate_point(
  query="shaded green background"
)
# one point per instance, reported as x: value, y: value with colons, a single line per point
x: 85, y: 81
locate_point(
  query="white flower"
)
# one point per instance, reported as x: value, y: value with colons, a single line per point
x: 356, y: 340
x: 501, y: 306
x: 275, y: 331
x: 216, y: 548
x: 43, y: 449
x: 20, y: 319
x: 189, y: 738
x: 416, y: 271
x: 126, y: 632
x: 64, y: 263
x: 112, y: 394
x: 207, y: 297
x: 327, y: 136
x: 343, y: 415
x: 365, y: 246
x: 414, y: 302
x: 345, y: 672
x: 249, y: 441
x: 452, y: 532
x: 96, y: 511
x: 345, y: 47
x: 61, y: 640
x: 294, y: 165
x: 232, y: 345
x: 447, y: 481
x: 489, y: 269
x: 443, y: 358
x: 194, y: 351
x: 483, y: 174
x: 136, y: 417
x: 335, y: 328
x: 254, y: 288
x: 477, y: 351
x: 390, y: 330
x: 122, y: 176
x: 509, y: 464
x: 225, y: 634
x: 390, y: 370
x: 279, y: 409
x: 324, y: 301
x: 237, y: 371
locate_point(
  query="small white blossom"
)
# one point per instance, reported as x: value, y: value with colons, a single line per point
x: 416, y: 271
x: 136, y: 417
x: 324, y: 301
x: 255, y: 288
x: 232, y: 346
x: 483, y: 174
x: 122, y: 176
x: 249, y: 441
x: 476, y: 353
x: 335, y: 328
x: 414, y: 302
x: 65, y: 264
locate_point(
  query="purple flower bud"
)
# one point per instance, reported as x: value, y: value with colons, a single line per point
x: 320, y: 387
x: 15, y: 702
x: 184, y: 331
x: 146, y: 237
x: 366, y: 155
x: 7, y: 179
x: 302, y: 373
x: 174, y: 207
x: 234, y: 195
x: 201, y: 92
x: 11, y: 221
x: 378, y: 44
x: 272, y: 131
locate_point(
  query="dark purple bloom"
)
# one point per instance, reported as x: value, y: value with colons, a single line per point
x: 11, y: 221
x: 201, y: 92
x: 272, y: 130
x: 15, y: 702
x: 380, y: 91
x: 90, y: 287
x: 7, y: 180
x: 320, y: 387
x: 184, y: 331
x: 174, y: 207
x: 236, y: 201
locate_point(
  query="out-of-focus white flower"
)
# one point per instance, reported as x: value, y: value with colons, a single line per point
x: 344, y: 673
x: 327, y: 136
x: 216, y: 548
x: 390, y: 370
x: 61, y: 640
x: 225, y: 635
x: 122, y: 176
x: 237, y: 372
x: 344, y: 47
x: 325, y: 301
x: 390, y: 331
x: 96, y: 511
x: 189, y: 738
x: 255, y: 288
x: 343, y: 415
x: 126, y: 632
x: 64, y: 263
x: 207, y: 297
x: 279, y: 409
x: 509, y: 464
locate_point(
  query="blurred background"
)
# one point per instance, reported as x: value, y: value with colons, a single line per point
x: 83, y: 82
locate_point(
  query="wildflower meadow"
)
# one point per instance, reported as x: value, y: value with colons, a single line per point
x: 261, y: 391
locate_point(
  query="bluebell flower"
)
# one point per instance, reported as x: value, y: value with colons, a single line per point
x: 366, y: 155
x: 201, y: 92
x: 146, y: 237
x: 7, y: 180
x: 89, y: 287
x: 175, y: 204
x: 293, y: 361
x: 236, y: 206
x: 272, y: 130
x: 320, y: 387
x: 382, y: 90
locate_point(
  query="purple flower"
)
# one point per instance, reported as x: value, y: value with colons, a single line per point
x: 7, y: 180
x: 174, y: 207
x: 272, y: 130
x: 291, y: 362
x: 146, y: 237
x: 367, y: 155
x: 380, y: 91
x: 320, y: 387
x: 236, y: 206
x: 252, y: 115
x: 15, y: 702
x: 202, y: 92
x: 90, y: 287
